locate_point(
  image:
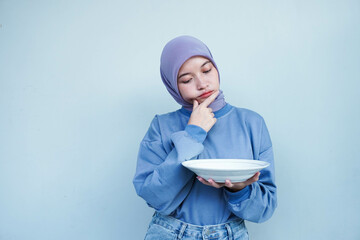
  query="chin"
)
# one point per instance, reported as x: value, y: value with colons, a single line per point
x: 200, y: 101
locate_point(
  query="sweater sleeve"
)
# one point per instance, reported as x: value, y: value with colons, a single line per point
x: 160, y: 179
x: 257, y: 202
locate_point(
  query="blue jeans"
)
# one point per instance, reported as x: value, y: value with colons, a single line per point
x: 168, y: 228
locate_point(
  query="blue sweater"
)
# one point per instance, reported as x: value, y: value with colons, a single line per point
x: 171, y: 189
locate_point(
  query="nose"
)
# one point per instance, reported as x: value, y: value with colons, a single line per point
x: 201, y: 83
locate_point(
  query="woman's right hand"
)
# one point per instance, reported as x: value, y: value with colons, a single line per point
x: 202, y: 115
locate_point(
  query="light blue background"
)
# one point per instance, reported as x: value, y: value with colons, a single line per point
x: 80, y: 83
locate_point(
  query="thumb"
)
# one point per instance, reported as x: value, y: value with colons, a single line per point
x: 195, y: 104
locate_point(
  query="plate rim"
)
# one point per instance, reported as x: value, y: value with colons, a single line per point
x: 187, y: 164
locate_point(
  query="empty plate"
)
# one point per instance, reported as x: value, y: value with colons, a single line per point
x: 236, y: 170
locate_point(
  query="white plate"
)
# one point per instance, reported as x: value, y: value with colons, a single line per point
x: 236, y: 170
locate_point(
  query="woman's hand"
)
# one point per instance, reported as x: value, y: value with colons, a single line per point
x: 202, y: 115
x: 233, y: 187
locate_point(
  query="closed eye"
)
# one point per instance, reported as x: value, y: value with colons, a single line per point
x: 186, y: 81
x: 207, y: 71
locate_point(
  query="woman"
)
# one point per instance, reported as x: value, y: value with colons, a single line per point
x: 190, y: 207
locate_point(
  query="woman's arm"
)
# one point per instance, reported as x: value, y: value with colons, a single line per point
x: 160, y: 178
x: 257, y: 202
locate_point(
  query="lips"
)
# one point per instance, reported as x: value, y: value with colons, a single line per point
x: 205, y: 95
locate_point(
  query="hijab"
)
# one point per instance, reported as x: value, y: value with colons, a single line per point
x: 173, y: 56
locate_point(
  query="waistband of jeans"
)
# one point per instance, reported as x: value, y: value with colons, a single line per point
x: 176, y: 224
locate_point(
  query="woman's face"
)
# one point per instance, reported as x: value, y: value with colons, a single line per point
x: 197, y: 79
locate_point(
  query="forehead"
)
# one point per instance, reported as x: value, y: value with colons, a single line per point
x: 193, y: 62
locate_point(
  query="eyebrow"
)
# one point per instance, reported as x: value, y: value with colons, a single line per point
x: 200, y: 67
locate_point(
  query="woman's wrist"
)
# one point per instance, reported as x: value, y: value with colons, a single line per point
x: 196, y: 132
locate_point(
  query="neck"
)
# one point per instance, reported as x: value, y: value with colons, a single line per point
x: 217, y: 104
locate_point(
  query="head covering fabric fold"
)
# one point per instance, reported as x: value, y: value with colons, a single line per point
x: 173, y: 56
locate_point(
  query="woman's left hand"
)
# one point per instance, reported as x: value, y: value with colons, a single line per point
x: 233, y: 187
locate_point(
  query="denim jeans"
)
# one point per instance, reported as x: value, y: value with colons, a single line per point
x: 168, y: 228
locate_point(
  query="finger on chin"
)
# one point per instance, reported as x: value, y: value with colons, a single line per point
x: 210, y: 99
x: 195, y: 104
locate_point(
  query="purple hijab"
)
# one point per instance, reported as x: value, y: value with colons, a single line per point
x: 173, y: 56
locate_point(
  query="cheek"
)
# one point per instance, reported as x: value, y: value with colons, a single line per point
x: 187, y: 94
x: 215, y: 79
x: 215, y: 76
x: 184, y: 91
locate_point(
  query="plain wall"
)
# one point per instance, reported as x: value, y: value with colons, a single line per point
x: 80, y: 83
